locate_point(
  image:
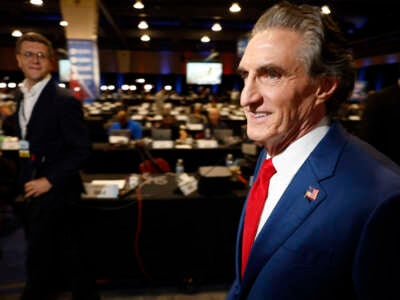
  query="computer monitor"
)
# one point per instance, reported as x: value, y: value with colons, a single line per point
x: 223, y: 135
x: 161, y: 134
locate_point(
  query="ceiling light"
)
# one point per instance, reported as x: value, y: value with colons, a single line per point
x: 143, y: 25
x: 235, y: 7
x: 325, y: 10
x: 63, y: 23
x: 36, y: 2
x: 140, y: 80
x: 147, y: 87
x: 138, y: 4
x: 205, y: 39
x: 145, y: 38
x: 216, y: 27
x: 16, y: 33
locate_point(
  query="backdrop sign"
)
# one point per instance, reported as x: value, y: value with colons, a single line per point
x: 85, y: 75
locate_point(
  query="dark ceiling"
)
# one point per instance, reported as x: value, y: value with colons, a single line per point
x: 372, y: 27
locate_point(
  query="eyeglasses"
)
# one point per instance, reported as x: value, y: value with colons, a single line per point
x: 38, y: 55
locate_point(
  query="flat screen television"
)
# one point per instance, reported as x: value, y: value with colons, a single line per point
x: 203, y: 73
x: 64, y: 67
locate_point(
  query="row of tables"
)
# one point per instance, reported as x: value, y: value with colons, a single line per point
x: 156, y: 234
x: 159, y: 236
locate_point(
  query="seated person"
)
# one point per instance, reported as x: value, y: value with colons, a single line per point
x: 197, y: 117
x: 168, y: 121
x: 214, y: 120
x: 124, y: 122
x: 8, y: 121
x: 184, y: 136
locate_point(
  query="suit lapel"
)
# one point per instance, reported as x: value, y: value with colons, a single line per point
x: 40, y: 106
x: 294, y: 207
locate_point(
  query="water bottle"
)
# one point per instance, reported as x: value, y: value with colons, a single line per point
x: 179, y: 168
x: 207, y: 133
x: 229, y: 160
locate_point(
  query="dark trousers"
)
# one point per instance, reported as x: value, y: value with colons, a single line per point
x: 56, y: 261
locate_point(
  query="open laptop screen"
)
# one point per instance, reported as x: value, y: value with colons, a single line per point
x: 119, y: 136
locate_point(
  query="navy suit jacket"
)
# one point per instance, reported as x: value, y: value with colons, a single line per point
x: 342, y: 245
x: 59, y: 143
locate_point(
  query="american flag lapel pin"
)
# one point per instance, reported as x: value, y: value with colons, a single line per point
x: 311, y: 193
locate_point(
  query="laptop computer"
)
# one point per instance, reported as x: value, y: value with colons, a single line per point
x: 161, y: 134
x: 223, y: 135
x: 119, y: 136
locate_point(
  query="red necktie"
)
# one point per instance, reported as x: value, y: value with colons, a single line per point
x: 255, y: 205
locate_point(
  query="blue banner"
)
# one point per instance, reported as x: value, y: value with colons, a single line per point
x: 85, y: 75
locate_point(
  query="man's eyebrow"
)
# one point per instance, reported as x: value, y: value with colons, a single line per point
x: 269, y: 68
x: 263, y: 69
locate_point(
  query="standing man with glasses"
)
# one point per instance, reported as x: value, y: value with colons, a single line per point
x: 322, y: 219
x: 53, y: 146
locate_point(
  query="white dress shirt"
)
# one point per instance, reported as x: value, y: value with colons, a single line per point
x: 30, y: 98
x: 287, y: 163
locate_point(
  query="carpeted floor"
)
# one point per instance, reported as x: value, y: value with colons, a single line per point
x: 12, y: 274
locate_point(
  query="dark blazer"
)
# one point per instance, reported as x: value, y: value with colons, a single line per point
x: 342, y: 245
x: 59, y: 143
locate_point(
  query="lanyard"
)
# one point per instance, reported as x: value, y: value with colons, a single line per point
x: 24, y: 119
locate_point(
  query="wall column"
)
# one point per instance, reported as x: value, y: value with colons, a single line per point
x: 81, y: 34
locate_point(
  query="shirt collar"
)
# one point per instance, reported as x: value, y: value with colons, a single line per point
x: 297, y: 152
x: 37, y: 87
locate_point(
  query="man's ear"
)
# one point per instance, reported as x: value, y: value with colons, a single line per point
x: 327, y: 86
x: 18, y: 58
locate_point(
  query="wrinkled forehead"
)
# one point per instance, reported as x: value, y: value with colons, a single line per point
x: 273, y: 46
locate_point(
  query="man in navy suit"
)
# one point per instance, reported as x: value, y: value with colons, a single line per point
x: 53, y: 147
x: 330, y: 226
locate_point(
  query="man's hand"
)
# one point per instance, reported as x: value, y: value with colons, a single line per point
x: 37, y: 187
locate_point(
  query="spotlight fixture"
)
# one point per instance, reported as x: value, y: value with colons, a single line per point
x: 138, y: 4
x: 143, y: 25
x: 145, y: 38
x: 36, y: 2
x: 325, y: 10
x: 63, y: 23
x: 205, y: 39
x: 216, y: 27
x: 147, y: 87
x: 16, y: 33
x: 235, y: 7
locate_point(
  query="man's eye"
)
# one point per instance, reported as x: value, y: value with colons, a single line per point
x: 270, y: 75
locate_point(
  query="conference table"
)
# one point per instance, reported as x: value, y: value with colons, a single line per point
x: 154, y: 234
x: 114, y: 158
